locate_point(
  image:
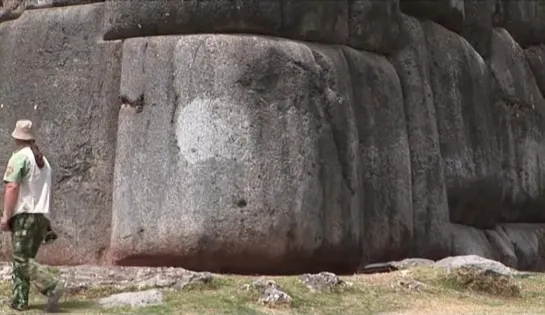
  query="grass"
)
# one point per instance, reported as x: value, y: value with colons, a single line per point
x: 436, y: 293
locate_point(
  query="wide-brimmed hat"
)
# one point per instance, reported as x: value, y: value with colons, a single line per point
x: 23, y: 130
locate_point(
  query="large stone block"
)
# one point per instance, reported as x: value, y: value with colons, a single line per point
x: 519, y: 110
x: 12, y: 9
x: 467, y: 240
x: 474, y: 20
x: 236, y: 153
x: 363, y: 24
x: 429, y: 197
x: 136, y: 18
x: 448, y: 13
x: 55, y: 73
x: 528, y: 242
x: 42, y: 4
x: 374, y: 25
x: 490, y: 120
x: 524, y: 20
x: 502, y: 246
x: 322, y: 21
x: 241, y: 153
x: 385, y: 159
x: 518, y: 245
x: 479, y: 17
x: 467, y: 137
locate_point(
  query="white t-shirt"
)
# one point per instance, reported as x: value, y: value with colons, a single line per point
x: 34, y: 182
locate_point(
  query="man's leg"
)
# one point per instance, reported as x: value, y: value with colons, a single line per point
x: 27, y: 235
x: 22, y: 252
x: 45, y: 281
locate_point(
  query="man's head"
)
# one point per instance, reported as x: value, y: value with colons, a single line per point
x: 24, y: 137
x: 23, y: 132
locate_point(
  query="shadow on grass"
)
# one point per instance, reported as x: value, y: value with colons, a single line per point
x: 226, y: 310
x: 68, y: 306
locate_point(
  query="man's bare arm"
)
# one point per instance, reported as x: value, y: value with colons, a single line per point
x: 10, y: 199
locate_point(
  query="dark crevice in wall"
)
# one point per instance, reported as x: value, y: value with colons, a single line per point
x: 172, y: 91
x: 173, y: 98
x: 364, y: 253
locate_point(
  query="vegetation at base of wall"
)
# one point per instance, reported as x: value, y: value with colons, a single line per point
x: 420, y: 290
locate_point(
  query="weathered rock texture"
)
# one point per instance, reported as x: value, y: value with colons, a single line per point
x: 284, y: 136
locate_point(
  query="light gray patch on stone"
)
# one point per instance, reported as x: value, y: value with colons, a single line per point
x: 213, y: 128
x: 133, y: 299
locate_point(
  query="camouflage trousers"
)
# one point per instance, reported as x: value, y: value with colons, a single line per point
x: 27, y: 233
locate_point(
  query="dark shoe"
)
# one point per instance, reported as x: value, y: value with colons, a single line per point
x: 50, y: 237
x: 54, y: 296
x: 20, y: 308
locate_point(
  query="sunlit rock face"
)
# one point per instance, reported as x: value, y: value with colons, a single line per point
x: 283, y: 136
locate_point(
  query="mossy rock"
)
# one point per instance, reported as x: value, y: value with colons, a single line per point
x: 486, y: 281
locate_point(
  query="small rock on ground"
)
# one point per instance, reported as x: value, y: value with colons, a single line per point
x: 271, y: 293
x: 87, y: 276
x: 480, y: 274
x: 180, y: 282
x: 194, y: 278
x: 412, y: 262
x: 411, y: 284
x: 322, y: 281
x: 487, y: 281
x: 133, y: 299
x: 475, y: 262
x: 395, y: 265
x: 377, y: 268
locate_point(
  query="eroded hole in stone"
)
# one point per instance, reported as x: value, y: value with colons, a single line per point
x: 241, y: 203
x: 137, y: 104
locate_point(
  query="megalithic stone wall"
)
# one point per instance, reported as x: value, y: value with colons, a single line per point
x: 56, y: 70
x: 283, y: 136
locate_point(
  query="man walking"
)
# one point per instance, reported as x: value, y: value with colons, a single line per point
x: 26, y: 207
